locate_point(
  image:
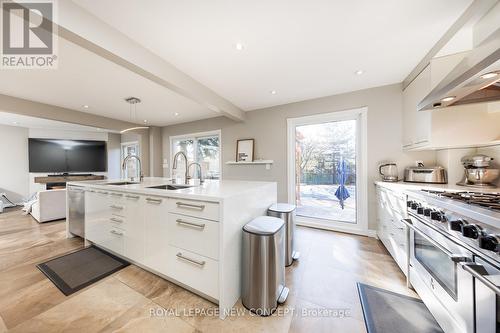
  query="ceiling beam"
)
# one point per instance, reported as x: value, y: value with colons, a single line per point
x: 25, y: 107
x: 472, y: 14
x: 80, y: 27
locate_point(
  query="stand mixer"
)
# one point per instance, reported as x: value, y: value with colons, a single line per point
x: 478, y: 171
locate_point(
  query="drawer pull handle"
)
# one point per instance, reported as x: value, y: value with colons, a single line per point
x: 114, y: 232
x: 192, y: 261
x: 114, y: 219
x: 191, y: 206
x: 116, y: 207
x: 102, y: 192
x: 200, y: 226
x: 132, y: 197
x: 117, y: 194
x: 155, y: 201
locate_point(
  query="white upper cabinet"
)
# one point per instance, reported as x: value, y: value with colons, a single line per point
x: 457, y: 126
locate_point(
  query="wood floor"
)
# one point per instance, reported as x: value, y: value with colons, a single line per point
x: 323, y: 294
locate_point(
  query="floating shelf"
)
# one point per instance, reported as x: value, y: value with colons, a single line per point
x: 256, y: 162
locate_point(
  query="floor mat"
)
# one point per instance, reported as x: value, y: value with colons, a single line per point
x: 389, y: 312
x: 77, y: 270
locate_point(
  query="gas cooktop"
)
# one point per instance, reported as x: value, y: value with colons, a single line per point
x: 486, y: 200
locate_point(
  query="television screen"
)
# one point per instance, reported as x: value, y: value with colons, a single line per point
x: 51, y: 155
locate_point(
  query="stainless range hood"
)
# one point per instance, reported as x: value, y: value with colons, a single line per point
x: 476, y: 79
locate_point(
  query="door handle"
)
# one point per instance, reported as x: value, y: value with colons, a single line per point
x: 128, y: 196
x: 191, y: 206
x: 191, y: 224
x: 454, y: 257
x: 155, y: 201
x: 115, y: 219
x: 472, y: 269
x: 116, y: 207
x: 200, y: 263
x: 117, y: 194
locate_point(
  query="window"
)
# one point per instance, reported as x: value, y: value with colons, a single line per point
x: 203, y: 148
x: 130, y: 148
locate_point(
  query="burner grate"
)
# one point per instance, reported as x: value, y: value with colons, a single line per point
x: 486, y: 200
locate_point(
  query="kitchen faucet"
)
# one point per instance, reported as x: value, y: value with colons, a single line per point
x: 124, y: 166
x: 174, y: 165
x: 199, y: 167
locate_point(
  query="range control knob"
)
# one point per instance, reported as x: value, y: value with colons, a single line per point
x: 489, y: 242
x: 414, y: 205
x: 471, y: 231
x: 436, y: 216
x: 427, y: 211
x: 420, y: 210
x: 457, y: 224
x: 408, y: 203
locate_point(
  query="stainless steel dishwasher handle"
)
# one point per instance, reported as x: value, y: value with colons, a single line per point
x: 190, y: 260
x: 471, y: 269
x: 454, y: 257
x: 191, y: 206
x: 200, y: 226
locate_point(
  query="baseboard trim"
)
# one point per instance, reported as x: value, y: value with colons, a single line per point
x: 310, y: 224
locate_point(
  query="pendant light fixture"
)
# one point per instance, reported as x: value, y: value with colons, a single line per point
x: 133, y: 101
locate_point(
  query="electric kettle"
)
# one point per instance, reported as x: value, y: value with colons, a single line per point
x: 389, y: 172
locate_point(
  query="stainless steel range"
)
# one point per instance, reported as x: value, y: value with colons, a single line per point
x: 454, y: 257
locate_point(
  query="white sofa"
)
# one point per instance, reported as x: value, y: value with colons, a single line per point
x: 50, y: 206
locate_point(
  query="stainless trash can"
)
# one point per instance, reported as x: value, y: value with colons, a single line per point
x: 263, y: 265
x: 286, y: 212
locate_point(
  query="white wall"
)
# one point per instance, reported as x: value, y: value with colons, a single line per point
x: 14, y: 162
x: 269, y: 127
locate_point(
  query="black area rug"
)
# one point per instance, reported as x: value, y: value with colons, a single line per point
x: 77, y: 270
x: 389, y: 312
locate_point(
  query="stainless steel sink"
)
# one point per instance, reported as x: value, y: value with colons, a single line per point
x: 122, y: 183
x: 170, y: 187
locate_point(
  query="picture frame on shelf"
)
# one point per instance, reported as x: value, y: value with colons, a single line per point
x: 245, y: 150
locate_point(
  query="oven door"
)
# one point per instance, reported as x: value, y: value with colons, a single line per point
x: 436, y: 276
x: 487, y: 294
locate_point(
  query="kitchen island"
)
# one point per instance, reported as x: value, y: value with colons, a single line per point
x: 190, y: 236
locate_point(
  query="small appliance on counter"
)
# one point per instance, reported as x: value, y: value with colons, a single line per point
x: 389, y: 172
x: 478, y: 171
x: 423, y: 174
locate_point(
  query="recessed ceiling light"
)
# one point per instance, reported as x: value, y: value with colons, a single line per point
x: 359, y: 72
x: 489, y: 75
x: 449, y: 98
x: 85, y: 106
x: 176, y: 114
x: 273, y: 92
x: 145, y: 121
x: 239, y: 46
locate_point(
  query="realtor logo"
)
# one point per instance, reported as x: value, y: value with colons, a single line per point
x: 28, y: 36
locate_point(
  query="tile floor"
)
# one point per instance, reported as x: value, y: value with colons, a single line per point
x: 323, y: 294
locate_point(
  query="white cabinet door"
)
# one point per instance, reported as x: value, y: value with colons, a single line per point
x: 97, y: 215
x: 416, y: 124
x: 156, y: 233
x: 135, y: 230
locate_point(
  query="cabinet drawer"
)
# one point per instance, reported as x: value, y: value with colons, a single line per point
x: 198, y: 272
x: 115, y: 240
x: 202, y: 209
x: 193, y: 234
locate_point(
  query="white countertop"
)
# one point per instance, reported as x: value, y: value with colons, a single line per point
x: 210, y: 190
x: 401, y: 186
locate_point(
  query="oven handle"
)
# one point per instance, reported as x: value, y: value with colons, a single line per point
x: 453, y: 257
x: 471, y: 269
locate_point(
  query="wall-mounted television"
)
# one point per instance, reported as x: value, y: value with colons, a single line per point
x: 55, y: 155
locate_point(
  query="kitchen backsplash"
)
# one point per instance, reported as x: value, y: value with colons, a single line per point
x: 450, y: 159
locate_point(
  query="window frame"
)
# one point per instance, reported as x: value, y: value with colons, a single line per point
x: 195, y: 137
